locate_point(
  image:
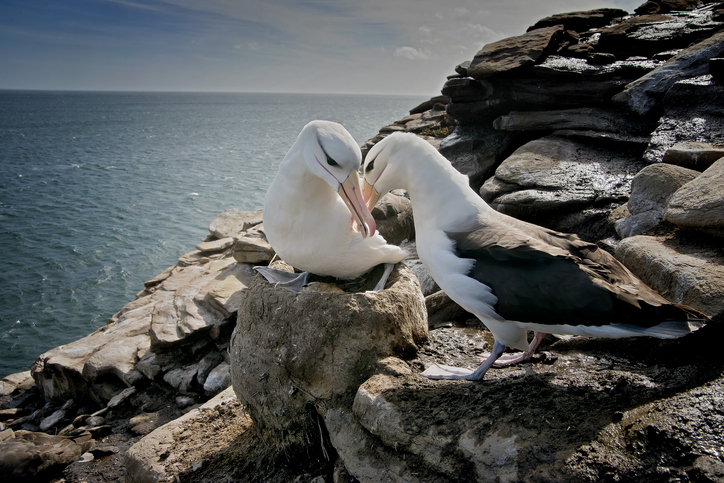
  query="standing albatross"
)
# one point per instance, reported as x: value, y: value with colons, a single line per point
x: 514, y: 276
x: 314, y: 215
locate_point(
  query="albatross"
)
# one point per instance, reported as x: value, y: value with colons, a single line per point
x: 314, y: 215
x: 513, y: 275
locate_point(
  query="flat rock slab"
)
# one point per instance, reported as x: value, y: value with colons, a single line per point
x: 554, y: 175
x: 686, y: 273
x: 185, y: 444
x: 594, y: 409
x: 513, y: 52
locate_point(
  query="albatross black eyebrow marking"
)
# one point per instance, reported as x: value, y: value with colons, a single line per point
x: 370, y: 166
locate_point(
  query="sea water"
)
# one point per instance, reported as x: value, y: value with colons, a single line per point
x: 100, y: 192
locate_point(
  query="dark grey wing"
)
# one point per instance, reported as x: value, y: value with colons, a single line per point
x: 560, y: 281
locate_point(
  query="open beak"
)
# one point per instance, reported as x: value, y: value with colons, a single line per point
x: 370, y: 195
x: 351, y: 193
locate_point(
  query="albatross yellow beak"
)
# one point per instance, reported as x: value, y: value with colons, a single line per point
x: 351, y: 193
x: 370, y: 195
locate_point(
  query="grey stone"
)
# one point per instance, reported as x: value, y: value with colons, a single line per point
x: 232, y: 222
x: 693, y: 155
x: 692, y: 113
x: 699, y: 204
x: 556, y: 176
x: 688, y: 275
x: 252, y: 250
x: 290, y: 349
x: 215, y: 245
x: 514, y: 52
x: 646, y: 93
x: 218, y: 380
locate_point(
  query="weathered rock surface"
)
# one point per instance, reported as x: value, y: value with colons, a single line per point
x: 651, y: 190
x: 514, y: 52
x: 553, y: 175
x: 645, y: 94
x: 32, y: 456
x: 172, y: 449
x: 699, y: 204
x: 683, y: 273
x: 552, y: 120
x: 290, y: 350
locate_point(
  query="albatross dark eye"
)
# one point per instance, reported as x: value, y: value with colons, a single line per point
x: 370, y: 166
x: 331, y: 161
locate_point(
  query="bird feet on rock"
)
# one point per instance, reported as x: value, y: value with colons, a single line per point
x: 293, y: 282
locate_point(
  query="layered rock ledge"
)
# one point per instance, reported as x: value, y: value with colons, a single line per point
x: 602, y: 123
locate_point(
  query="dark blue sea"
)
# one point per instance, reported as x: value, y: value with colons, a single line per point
x: 100, y: 192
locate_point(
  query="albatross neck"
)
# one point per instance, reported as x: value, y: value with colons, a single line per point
x: 440, y: 192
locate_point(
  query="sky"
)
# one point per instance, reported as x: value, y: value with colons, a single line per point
x: 312, y: 46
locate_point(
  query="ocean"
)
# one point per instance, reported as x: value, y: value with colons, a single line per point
x: 101, y: 191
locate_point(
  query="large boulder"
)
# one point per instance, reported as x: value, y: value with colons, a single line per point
x: 553, y: 176
x: 291, y: 350
x: 689, y: 274
x: 699, y: 204
x: 651, y: 190
x: 35, y: 456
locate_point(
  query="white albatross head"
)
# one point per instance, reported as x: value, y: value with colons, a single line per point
x: 386, y: 164
x: 331, y: 153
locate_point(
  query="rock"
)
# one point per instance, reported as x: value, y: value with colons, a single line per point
x: 121, y: 397
x: 684, y: 274
x: 646, y: 35
x: 693, y: 155
x: 581, y: 21
x: 393, y: 215
x: 169, y: 451
x: 429, y: 104
x: 206, y: 365
x: 551, y: 176
x: 441, y: 310
x: 70, y: 371
x: 252, y: 250
x: 52, y: 420
x: 699, y: 204
x: 21, y: 381
x: 514, y: 52
x: 182, y: 378
x: 475, y: 151
x: 232, y: 222
x: 218, y: 380
x: 645, y: 94
x: 144, y: 423
x: 427, y: 283
x: 595, y: 119
x: 215, y: 245
x: 37, y: 456
x: 289, y: 350
x: 224, y: 292
x: 651, y: 190
x: 692, y: 113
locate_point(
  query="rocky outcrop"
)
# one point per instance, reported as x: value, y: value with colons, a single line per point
x: 600, y: 123
x: 290, y: 350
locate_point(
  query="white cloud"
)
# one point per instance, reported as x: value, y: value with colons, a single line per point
x: 413, y: 54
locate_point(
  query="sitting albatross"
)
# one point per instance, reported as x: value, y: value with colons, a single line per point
x: 314, y: 214
x: 514, y: 276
